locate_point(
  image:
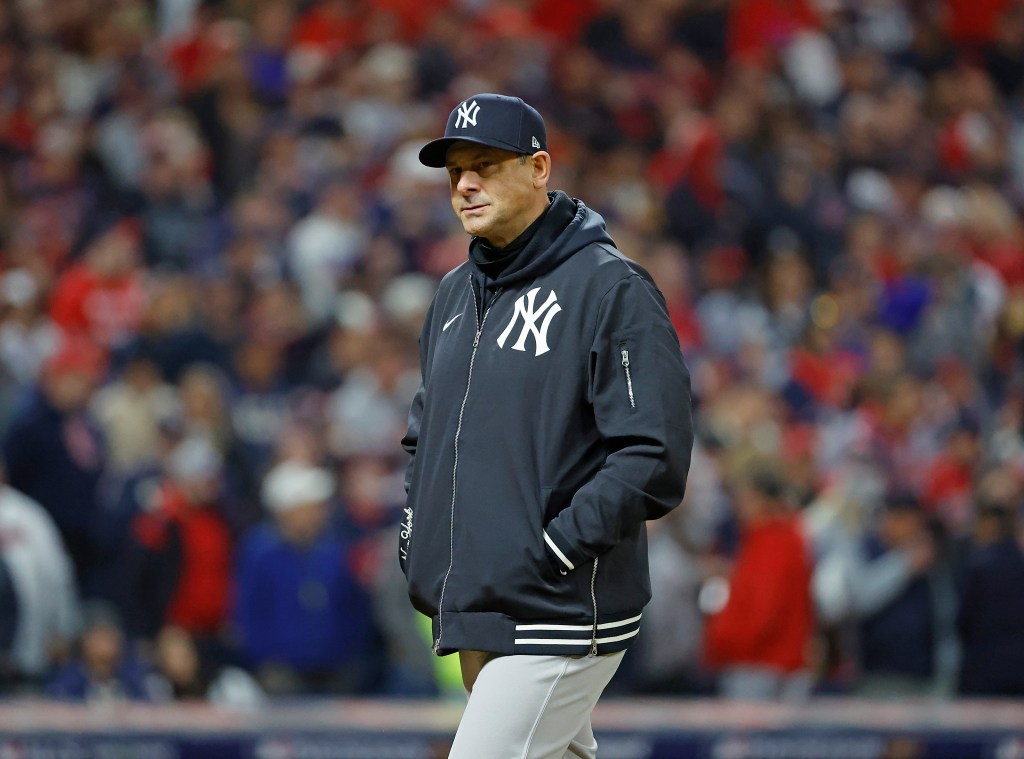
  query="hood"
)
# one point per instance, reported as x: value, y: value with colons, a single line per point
x: 554, y: 241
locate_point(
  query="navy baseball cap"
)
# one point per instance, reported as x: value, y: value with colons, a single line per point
x: 500, y: 121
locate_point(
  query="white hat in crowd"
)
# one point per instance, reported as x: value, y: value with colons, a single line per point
x: 292, y: 483
x: 195, y: 458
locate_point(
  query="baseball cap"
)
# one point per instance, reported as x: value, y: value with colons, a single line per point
x: 195, y: 458
x: 500, y: 121
x: 291, y: 484
x: 76, y: 356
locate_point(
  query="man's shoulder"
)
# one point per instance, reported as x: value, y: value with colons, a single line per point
x: 19, y: 507
x: 28, y: 411
x: 263, y: 542
x: 602, y: 265
x: 448, y: 291
x: 458, y: 274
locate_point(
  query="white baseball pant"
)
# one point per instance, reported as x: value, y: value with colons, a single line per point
x: 534, y: 707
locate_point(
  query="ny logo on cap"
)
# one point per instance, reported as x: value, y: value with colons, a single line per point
x: 467, y: 115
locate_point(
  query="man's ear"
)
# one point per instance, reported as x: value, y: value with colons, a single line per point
x: 541, y: 168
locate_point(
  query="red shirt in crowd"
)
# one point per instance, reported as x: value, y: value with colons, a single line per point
x: 768, y: 619
x: 104, y: 310
x: 760, y: 28
x: 199, y: 603
x: 973, y: 22
x: 329, y: 25
x: 948, y: 491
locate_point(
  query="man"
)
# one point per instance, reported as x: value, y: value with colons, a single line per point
x: 303, y: 620
x: 177, y: 563
x: 55, y: 455
x: 42, y: 591
x: 553, y: 419
x: 759, y: 639
x: 107, y: 668
x: 991, y: 614
x: 906, y: 603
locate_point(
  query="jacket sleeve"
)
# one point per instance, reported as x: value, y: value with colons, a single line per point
x: 412, y: 433
x: 639, y: 389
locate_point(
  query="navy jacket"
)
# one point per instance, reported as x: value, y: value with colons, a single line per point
x: 991, y: 622
x: 57, y: 458
x: 552, y: 422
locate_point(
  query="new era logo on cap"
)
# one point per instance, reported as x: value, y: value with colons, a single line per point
x: 499, y: 121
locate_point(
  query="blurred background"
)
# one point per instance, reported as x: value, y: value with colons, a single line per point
x: 217, y: 247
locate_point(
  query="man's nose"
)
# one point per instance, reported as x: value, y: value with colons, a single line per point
x: 469, y: 181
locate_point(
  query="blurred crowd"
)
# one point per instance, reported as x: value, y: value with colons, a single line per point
x: 217, y: 247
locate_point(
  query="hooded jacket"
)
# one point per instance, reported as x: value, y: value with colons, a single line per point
x: 552, y: 421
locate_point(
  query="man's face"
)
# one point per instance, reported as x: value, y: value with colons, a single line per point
x: 302, y: 525
x: 101, y: 650
x: 493, y: 191
x: 900, y: 526
x: 70, y: 390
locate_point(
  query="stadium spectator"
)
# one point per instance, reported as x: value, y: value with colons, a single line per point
x: 947, y: 490
x: 759, y: 640
x: 129, y: 410
x: 370, y: 406
x: 180, y: 325
x: 324, y: 246
x: 100, y: 298
x: 53, y: 451
x: 124, y: 498
x: 206, y: 410
x: 42, y: 606
x: 8, y: 624
x: 302, y: 620
x: 183, y: 673
x: 991, y: 614
x: 106, y: 667
x: 27, y: 336
x: 261, y: 399
x: 906, y: 616
x: 177, y: 569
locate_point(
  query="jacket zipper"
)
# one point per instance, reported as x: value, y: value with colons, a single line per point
x: 455, y: 466
x: 593, y: 598
x: 629, y: 377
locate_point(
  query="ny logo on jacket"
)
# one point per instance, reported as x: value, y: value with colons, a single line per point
x: 525, y: 308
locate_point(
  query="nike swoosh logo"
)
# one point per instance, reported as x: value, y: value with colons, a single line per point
x: 448, y: 323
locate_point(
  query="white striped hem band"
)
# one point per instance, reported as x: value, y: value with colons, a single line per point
x: 562, y: 557
x: 586, y: 642
x: 587, y: 628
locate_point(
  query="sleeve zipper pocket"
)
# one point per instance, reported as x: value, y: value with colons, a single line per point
x: 629, y: 377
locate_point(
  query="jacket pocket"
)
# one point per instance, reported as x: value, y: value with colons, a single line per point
x: 556, y: 564
x: 627, y: 372
x: 545, y: 507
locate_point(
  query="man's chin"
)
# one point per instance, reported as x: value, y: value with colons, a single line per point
x: 475, y: 227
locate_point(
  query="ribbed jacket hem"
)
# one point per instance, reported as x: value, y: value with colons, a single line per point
x: 502, y: 634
